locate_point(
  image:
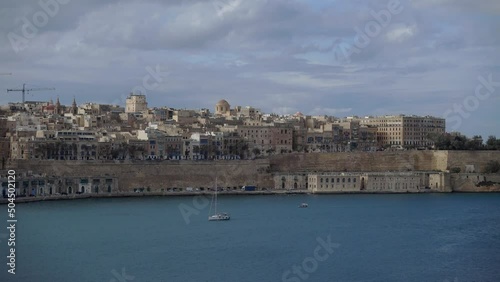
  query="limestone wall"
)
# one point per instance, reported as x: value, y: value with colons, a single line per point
x: 162, y: 175
x: 383, y: 161
x: 361, y: 161
x: 159, y: 175
x: 478, y: 159
x: 475, y: 182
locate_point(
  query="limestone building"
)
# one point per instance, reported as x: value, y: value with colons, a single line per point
x: 222, y: 108
x: 404, y: 130
x: 136, y: 103
x: 401, y: 182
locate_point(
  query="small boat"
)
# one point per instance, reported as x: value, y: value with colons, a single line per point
x: 303, y: 205
x: 217, y: 216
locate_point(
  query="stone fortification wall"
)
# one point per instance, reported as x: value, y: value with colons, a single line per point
x: 475, y: 182
x: 384, y: 161
x: 473, y: 159
x: 161, y: 175
x: 361, y: 161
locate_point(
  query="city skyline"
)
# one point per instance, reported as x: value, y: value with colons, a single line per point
x: 210, y: 109
x: 279, y: 56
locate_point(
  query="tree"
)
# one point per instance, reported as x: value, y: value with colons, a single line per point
x: 212, y: 150
x: 459, y: 142
x: 256, y: 151
x: 492, y: 167
x: 41, y: 151
x: 225, y: 148
x: 204, y: 151
x: 74, y: 151
x: 51, y: 148
x: 493, y: 143
x: 169, y: 150
x: 196, y: 149
x: 104, y: 151
x: 134, y: 149
x: 240, y: 148
x: 124, y: 150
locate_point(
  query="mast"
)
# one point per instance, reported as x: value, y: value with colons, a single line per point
x: 216, y: 195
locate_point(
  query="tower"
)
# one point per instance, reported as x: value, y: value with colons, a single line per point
x: 222, y: 108
x: 57, y: 109
x: 74, y: 108
x: 136, y: 103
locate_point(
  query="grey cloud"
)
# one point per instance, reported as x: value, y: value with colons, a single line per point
x: 273, y: 54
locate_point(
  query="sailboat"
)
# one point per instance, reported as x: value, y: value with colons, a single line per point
x: 217, y: 216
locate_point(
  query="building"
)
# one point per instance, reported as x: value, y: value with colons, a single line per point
x: 399, y: 182
x: 405, y: 131
x: 174, y: 147
x: 292, y: 181
x: 41, y: 185
x: 335, y: 182
x: 4, y: 142
x: 267, y: 139
x: 136, y: 103
x: 222, y: 108
x: 185, y: 117
x: 249, y: 112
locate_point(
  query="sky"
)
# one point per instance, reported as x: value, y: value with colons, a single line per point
x: 328, y: 57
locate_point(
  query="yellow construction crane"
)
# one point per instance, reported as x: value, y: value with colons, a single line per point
x: 24, y: 90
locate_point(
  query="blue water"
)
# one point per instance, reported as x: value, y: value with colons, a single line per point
x: 430, y: 237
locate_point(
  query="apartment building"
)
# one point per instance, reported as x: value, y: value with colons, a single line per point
x: 277, y: 138
x: 136, y: 103
x: 402, y: 130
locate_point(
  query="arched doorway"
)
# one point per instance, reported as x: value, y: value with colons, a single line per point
x: 362, y: 183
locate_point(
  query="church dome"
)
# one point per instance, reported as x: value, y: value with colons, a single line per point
x: 223, y: 103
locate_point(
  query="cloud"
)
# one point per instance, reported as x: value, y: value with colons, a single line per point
x: 329, y: 111
x: 277, y: 55
x: 400, y: 34
x: 297, y: 79
x: 283, y: 110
